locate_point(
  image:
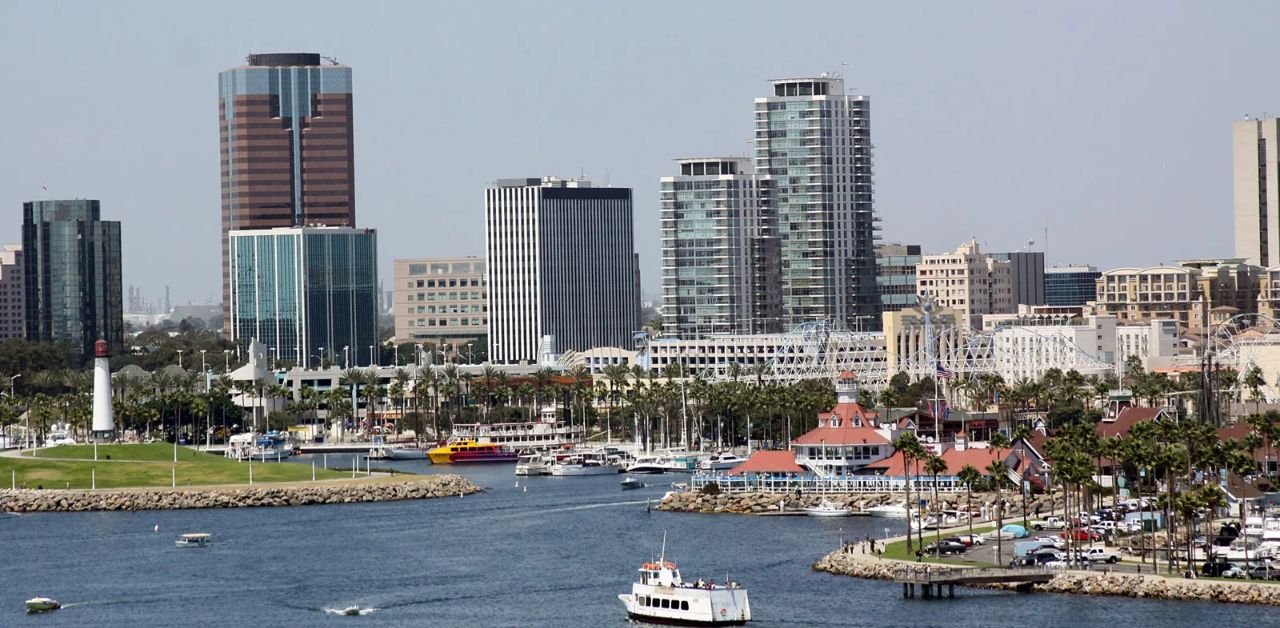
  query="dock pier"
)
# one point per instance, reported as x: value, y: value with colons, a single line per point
x: 931, y: 579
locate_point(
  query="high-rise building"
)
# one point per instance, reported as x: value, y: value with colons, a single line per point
x: 1026, y: 275
x: 720, y: 265
x: 309, y: 294
x: 814, y: 142
x: 441, y: 300
x: 1070, y: 285
x: 71, y: 271
x: 561, y: 264
x: 968, y: 281
x: 13, y: 303
x: 1198, y: 294
x: 287, y: 145
x: 896, y: 275
x: 1255, y: 159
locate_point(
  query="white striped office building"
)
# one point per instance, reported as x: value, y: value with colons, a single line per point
x: 561, y: 263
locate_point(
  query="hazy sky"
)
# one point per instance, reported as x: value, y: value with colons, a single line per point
x: 1107, y: 122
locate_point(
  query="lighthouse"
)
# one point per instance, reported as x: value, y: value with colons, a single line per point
x: 104, y: 420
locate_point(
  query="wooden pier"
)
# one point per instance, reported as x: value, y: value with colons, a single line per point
x: 931, y: 579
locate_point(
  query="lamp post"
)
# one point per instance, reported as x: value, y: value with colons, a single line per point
x: 226, y: 360
x: 180, y: 357
x: 204, y: 371
x: 346, y: 357
x: 372, y: 361
x: 321, y: 357
x: 470, y: 355
x: 27, y: 413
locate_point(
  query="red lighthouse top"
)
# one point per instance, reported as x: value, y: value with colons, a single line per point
x: 100, y: 349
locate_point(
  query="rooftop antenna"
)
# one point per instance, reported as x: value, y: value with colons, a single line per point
x: 331, y: 60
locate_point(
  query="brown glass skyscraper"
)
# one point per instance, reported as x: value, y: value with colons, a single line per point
x: 287, y: 146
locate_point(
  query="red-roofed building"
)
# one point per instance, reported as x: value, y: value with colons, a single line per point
x: 769, y: 462
x: 1021, y: 462
x: 847, y: 438
x: 1128, y: 418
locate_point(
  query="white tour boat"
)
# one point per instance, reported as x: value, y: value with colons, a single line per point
x: 828, y: 509
x: 583, y: 463
x: 662, y: 597
x: 271, y: 447
x: 404, y: 451
x: 194, y: 539
x: 42, y: 604
x: 545, y: 433
x: 722, y: 461
x: 894, y: 511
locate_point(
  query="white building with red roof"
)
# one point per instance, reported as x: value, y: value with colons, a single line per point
x: 847, y: 438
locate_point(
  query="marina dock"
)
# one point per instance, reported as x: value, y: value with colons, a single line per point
x: 931, y: 579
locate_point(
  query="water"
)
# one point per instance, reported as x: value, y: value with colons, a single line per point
x: 555, y: 555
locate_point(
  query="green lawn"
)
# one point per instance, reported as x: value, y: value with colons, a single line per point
x: 144, y: 465
x: 898, y: 549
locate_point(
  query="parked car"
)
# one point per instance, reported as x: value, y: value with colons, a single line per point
x: 972, y: 539
x: 1100, y: 555
x: 1051, y: 541
x: 945, y: 547
x: 1082, y: 534
x: 1218, y: 569
x: 959, y: 539
x: 1049, y: 523
x: 1264, y: 572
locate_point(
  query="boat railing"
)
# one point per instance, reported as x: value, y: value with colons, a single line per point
x: 813, y: 484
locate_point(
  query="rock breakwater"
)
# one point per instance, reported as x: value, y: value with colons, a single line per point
x: 756, y: 503
x: 1093, y: 583
x: 427, y: 487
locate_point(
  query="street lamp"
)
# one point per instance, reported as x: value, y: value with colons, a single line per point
x: 226, y: 360
x: 180, y: 357
x: 372, y: 361
x: 470, y: 355
x: 346, y: 357
x: 204, y: 371
x: 321, y: 357
x: 27, y: 413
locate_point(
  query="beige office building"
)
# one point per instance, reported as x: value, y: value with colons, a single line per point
x: 13, y: 316
x: 441, y: 299
x: 1255, y: 159
x: 967, y: 281
x: 1195, y: 293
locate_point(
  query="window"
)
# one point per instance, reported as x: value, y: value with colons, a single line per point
x: 666, y: 603
x: 684, y: 606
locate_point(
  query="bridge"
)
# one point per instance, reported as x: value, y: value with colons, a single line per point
x: 931, y: 579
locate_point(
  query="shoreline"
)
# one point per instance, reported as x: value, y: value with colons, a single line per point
x: 236, y: 496
x: 844, y: 562
x: 761, y: 503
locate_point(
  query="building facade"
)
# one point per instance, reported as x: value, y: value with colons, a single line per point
x: 1186, y: 293
x: 814, y: 143
x: 1067, y: 286
x: 441, y: 300
x: 309, y: 294
x: 1255, y: 161
x: 896, y: 275
x: 969, y: 282
x: 287, y: 145
x: 561, y: 268
x: 720, y: 255
x: 72, y: 275
x: 13, y: 302
x: 1026, y: 276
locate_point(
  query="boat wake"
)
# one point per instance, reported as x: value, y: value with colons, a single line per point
x: 593, y: 506
x: 349, y: 611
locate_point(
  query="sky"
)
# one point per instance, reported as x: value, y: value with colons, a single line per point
x: 1105, y: 125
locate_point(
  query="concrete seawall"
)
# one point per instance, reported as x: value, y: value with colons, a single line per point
x: 756, y: 503
x: 860, y: 565
x: 426, y: 487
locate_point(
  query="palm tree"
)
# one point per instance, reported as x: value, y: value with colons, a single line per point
x: 1254, y: 381
x: 911, y: 449
x: 933, y: 465
x: 970, y: 476
x: 999, y: 480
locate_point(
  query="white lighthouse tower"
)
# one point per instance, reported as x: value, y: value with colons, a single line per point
x: 104, y: 420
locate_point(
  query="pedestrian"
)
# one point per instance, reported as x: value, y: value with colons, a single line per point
x: 919, y: 555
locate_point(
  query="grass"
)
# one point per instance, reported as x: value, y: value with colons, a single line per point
x: 898, y: 549
x: 144, y: 465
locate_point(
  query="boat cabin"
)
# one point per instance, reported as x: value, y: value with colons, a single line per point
x: 660, y: 574
x: 194, y: 539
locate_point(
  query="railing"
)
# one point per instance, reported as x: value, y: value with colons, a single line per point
x: 813, y: 484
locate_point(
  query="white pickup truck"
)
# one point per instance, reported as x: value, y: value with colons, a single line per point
x: 1049, y: 523
x: 1100, y: 555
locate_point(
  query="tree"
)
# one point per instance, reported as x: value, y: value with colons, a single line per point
x: 1254, y: 381
x: 911, y: 449
x: 999, y: 479
x: 970, y: 476
x: 933, y: 465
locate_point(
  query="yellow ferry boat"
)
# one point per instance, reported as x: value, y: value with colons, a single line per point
x: 467, y: 450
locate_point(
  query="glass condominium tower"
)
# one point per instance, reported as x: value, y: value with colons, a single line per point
x: 71, y: 269
x: 285, y: 125
x: 307, y: 293
x: 814, y: 142
x: 719, y: 251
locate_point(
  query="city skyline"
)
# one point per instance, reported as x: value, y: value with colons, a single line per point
x: 1065, y: 128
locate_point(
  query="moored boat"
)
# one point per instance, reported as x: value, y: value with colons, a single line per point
x: 828, y: 508
x: 469, y: 451
x: 530, y: 462
x: 722, y: 461
x: 895, y: 511
x: 404, y: 452
x: 632, y: 483
x: 194, y: 539
x: 585, y: 463
x: 42, y: 605
x: 662, y: 597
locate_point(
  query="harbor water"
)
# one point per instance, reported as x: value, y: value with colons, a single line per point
x: 539, y: 551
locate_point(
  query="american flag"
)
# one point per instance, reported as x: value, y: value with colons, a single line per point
x: 945, y: 373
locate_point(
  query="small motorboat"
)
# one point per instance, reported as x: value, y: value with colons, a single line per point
x: 194, y: 539
x: 828, y: 508
x: 632, y: 483
x: 893, y: 511
x: 42, y: 605
x: 350, y: 610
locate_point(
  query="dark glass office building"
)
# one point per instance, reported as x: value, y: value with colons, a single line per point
x: 310, y: 294
x: 72, y: 274
x: 1070, y: 285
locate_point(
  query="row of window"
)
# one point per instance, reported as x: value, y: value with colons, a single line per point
x: 445, y: 296
x: 662, y: 602
x: 451, y: 309
x: 443, y: 283
x: 449, y: 322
